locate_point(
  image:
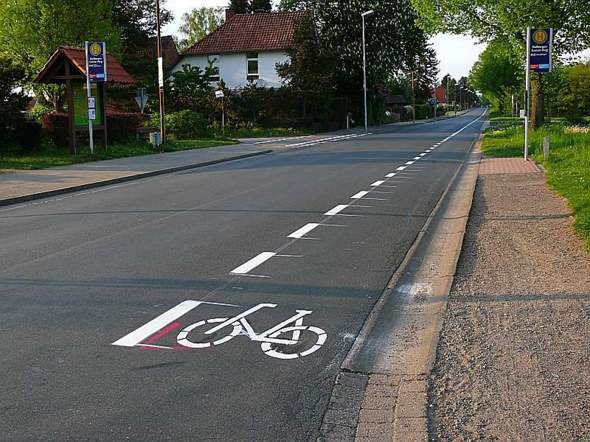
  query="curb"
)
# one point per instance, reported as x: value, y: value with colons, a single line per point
x: 391, y: 360
x: 139, y: 176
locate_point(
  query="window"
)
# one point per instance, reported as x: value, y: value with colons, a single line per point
x: 252, y: 66
x: 213, y: 61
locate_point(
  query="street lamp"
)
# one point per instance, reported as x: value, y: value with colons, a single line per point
x: 363, y: 15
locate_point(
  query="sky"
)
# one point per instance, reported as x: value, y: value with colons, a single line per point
x: 456, y: 53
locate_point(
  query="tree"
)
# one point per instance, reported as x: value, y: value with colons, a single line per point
x: 450, y: 84
x: 497, y: 74
x: 11, y: 102
x: 190, y: 89
x: 136, y: 22
x: 239, y: 6
x: 199, y: 23
x: 260, y: 5
x: 507, y: 20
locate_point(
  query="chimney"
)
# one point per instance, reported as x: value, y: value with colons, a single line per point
x: 229, y: 14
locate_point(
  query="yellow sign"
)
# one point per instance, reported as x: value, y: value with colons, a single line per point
x: 95, y: 49
x: 540, y: 37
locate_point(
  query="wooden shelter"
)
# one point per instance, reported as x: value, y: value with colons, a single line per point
x: 67, y: 66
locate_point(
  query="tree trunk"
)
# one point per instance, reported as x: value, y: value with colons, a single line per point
x: 537, y: 101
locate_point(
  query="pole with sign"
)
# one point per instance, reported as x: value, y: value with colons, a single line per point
x: 220, y: 95
x: 539, y: 48
x: 160, y: 72
x: 96, y: 72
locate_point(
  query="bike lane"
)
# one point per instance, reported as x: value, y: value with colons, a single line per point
x: 234, y: 390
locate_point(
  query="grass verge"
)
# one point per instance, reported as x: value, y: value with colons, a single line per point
x: 568, y: 165
x: 50, y: 156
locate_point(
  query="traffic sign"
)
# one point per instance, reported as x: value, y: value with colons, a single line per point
x: 541, y: 46
x: 96, y: 61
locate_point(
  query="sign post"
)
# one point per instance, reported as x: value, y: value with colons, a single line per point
x: 220, y: 95
x: 96, y: 72
x: 539, y: 48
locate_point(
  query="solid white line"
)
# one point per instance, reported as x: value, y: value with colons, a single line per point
x: 336, y: 210
x: 359, y: 195
x: 303, y: 231
x: 377, y: 183
x: 401, y: 168
x: 157, y: 324
x: 253, y: 263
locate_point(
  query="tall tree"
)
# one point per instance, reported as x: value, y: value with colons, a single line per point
x: 199, y: 23
x: 261, y: 5
x: 497, y: 74
x: 239, y: 6
x: 507, y: 20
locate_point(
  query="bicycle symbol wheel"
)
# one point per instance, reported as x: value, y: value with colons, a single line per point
x: 183, y: 339
x: 281, y: 352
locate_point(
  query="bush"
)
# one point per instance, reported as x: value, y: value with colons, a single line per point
x: 185, y: 125
x: 122, y: 126
x: 56, y: 127
x: 28, y: 134
x: 422, y: 111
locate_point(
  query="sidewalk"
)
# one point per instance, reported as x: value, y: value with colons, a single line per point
x: 23, y: 185
x: 513, y: 360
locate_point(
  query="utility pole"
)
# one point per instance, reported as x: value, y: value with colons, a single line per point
x: 413, y: 100
x: 527, y: 93
x: 160, y: 73
x: 363, y: 15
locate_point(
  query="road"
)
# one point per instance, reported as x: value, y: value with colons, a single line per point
x: 292, y: 233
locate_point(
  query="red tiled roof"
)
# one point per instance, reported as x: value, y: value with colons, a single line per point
x: 259, y: 32
x: 77, y: 58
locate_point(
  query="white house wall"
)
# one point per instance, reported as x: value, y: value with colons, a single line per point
x: 233, y: 67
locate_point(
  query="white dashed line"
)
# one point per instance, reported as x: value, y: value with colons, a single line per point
x: 390, y: 175
x: 417, y: 158
x: 401, y: 168
x: 244, y: 269
x: 336, y: 210
x: 409, y: 163
x: 359, y: 195
x: 303, y: 231
x: 377, y: 183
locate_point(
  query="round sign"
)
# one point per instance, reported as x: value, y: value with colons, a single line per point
x: 540, y: 36
x: 95, y: 49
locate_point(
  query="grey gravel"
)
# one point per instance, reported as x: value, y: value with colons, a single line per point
x: 513, y: 360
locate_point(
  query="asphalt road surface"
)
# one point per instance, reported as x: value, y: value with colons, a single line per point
x: 106, y: 296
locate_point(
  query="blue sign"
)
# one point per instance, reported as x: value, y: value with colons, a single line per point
x: 541, y: 45
x: 96, y: 61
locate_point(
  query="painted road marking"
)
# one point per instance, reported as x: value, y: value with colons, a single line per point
x: 409, y: 163
x: 247, y: 267
x: 401, y: 168
x: 359, y: 195
x: 377, y: 183
x: 417, y: 158
x: 390, y: 175
x: 303, y: 231
x: 422, y: 154
x: 336, y: 210
x: 285, y: 334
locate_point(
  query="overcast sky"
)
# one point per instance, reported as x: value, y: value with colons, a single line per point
x: 456, y: 53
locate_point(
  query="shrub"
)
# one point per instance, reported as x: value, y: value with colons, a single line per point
x: 56, y: 126
x: 122, y: 126
x: 422, y: 111
x: 28, y: 134
x: 11, y: 101
x: 186, y: 125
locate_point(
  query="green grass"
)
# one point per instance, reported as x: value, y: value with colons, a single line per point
x: 259, y: 132
x: 50, y: 156
x: 568, y: 165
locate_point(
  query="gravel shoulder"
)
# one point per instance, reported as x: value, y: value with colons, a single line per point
x: 513, y: 360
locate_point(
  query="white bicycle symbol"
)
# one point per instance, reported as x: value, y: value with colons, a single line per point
x: 272, y: 344
x: 289, y: 339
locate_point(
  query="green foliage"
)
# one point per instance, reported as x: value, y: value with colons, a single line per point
x: 508, y: 19
x: 11, y: 102
x: 423, y: 111
x: 239, y: 6
x: 185, y: 125
x: 497, y: 74
x: 190, y: 89
x: 199, y: 23
x: 571, y: 92
x: 260, y: 5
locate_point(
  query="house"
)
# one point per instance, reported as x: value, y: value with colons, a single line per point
x: 170, y: 53
x: 440, y: 93
x: 246, y: 48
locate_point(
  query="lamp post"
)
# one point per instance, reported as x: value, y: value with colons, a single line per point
x: 160, y: 72
x: 363, y: 15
